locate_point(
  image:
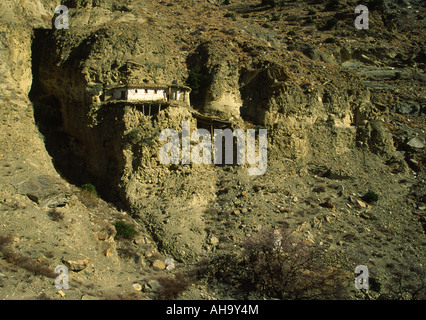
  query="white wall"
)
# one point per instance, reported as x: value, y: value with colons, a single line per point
x: 140, y: 94
x: 178, y: 94
x: 134, y: 94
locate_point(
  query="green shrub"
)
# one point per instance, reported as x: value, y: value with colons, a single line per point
x: 230, y: 15
x: 275, y: 17
x: 330, y: 40
x: 266, y: 25
x: 291, y: 33
x: 311, y: 12
x: 89, y: 187
x: 197, y: 79
x: 124, y: 230
x: 134, y: 136
x: 310, y: 20
x: 375, y: 4
x: 246, y: 15
x: 332, y: 22
x: 332, y: 5
x: 370, y: 197
x: 271, y: 3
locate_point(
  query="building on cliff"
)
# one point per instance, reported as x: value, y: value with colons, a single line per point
x: 148, y: 92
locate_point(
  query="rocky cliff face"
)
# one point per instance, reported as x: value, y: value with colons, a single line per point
x: 322, y: 103
x: 297, y: 103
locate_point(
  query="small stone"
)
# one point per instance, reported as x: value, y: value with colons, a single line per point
x: 61, y: 293
x: 170, y: 264
x: 333, y: 247
x: 417, y: 142
x: 137, y: 287
x: 77, y: 265
x: 362, y: 204
x: 327, y: 204
x: 214, y: 241
x: 158, y: 264
x: 42, y: 259
x: 244, y: 210
x: 236, y: 212
x: 139, y: 240
x: 364, y: 216
x: 109, y: 249
x: 153, y: 286
x: 103, y: 235
x: 89, y: 297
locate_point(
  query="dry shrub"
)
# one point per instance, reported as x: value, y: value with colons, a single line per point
x: 4, y: 241
x: 21, y: 260
x: 56, y: 215
x: 172, y: 286
x: 274, y: 264
x: 408, y: 283
x: 88, y: 198
x: 281, y: 266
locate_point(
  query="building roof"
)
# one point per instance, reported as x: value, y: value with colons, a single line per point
x: 146, y: 86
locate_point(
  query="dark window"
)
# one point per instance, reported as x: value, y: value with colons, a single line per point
x: 155, y: 91
x: 146, y: 90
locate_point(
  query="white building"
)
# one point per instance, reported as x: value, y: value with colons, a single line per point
x: 148, y: 92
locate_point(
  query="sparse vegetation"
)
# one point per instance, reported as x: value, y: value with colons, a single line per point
x: 370, y: 197
x: 124, y: 230
x: 332, y: 5
x: 88, y: 195
x: 271, y: 3
x: 331, y: 23
x: 274, y: 264
x: 230, y: 15
x: 23, y: 261
x: 197, y: 79
x: 56, y: 215
x: 330, y: 40
x: 309, y: 20
x: 275, y: 17
x: 90, y: 188
x: 172, y: 286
